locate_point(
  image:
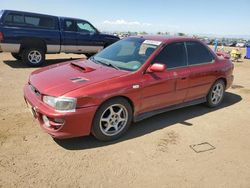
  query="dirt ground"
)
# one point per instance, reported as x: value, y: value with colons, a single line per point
x: 154, y: 153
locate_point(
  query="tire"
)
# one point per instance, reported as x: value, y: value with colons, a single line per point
x: 33, y: 57
x: 216, y: 94
x: 17, y: 56
x: 108, y: 125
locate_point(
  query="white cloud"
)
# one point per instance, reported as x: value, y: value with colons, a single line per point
x: 126, y: 23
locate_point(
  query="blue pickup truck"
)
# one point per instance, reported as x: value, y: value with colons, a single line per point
x: 29, y: 36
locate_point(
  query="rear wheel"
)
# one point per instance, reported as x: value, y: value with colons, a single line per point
x: 33, y: 57
x: 112, y: 119
x: 17, y: 56
x: 216, y: 94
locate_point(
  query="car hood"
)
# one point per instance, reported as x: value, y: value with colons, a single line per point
x: 111, y: 37
x: 59, y: 79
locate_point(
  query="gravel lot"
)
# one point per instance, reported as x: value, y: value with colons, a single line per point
x: 154, y: 153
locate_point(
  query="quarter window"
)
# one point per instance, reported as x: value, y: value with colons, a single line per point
x: 173, y: 55
x: 198, y: 53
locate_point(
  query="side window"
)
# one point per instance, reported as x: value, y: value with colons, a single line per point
x: 47, y: 22
x: 43, y: 22
x: 14, y: 19
x: 198, y: 53
x: 69, y: 25
x: 85, y: 27
x: 33, y: 21
x: 173, y: 55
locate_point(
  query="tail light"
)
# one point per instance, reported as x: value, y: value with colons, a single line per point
x: 1, y: 36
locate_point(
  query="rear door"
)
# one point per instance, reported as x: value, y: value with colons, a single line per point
x: 202, y: 70
x: 88, y: 38
x: 162, y: 89
x: 69, y: 36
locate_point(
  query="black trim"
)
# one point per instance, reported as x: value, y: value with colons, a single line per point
x: 166, y: 109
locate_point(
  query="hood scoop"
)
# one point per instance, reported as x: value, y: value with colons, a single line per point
x: 80, y: 66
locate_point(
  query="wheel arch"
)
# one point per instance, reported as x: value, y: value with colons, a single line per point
x: 33, y: 43
x: 220, y: 78
x: 130, y: 101
x: 223, y: 79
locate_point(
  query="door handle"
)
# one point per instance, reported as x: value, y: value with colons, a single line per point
x: 183, y: 78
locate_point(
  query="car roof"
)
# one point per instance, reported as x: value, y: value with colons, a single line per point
x: 165, y: 39
x: 25, y: 12
x: 40, y: 14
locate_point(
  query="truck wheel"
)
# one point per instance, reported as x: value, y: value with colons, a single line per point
x: 33, y: 57
x: 17, y: 56
x: 112, y: 119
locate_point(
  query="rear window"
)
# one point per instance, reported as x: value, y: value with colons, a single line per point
x: 34, y: 21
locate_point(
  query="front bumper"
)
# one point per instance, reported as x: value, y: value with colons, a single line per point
x: 76, y: 123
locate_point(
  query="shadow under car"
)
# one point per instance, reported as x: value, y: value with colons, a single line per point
x: 151, y: 124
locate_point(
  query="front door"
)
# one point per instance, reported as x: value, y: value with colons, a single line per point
x: 88, y: 38
x: 69, y: 36
x: 163, y: 89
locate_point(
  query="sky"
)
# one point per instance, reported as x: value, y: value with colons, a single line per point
x: 204, y: 17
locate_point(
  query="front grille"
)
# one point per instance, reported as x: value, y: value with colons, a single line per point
x: 37, y: 93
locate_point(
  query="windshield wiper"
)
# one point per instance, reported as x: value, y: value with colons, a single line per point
x: 104, y: 63
x: 111, y: 65
x: 94, y: 60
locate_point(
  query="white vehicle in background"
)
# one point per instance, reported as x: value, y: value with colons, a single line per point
x: 241, y: 44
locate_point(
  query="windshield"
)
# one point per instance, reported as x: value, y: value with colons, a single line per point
x: 127, y: 54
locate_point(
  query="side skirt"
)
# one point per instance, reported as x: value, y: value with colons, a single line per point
x: 174, y: 107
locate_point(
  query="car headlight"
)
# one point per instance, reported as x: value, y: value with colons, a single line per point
x: 61, y: 104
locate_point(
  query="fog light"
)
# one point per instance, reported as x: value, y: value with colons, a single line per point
x: 59, y: 121
x: 46, y: 121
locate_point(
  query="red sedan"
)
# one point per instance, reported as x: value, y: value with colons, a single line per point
x: 133, y: 79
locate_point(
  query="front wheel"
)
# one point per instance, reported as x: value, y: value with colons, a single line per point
x: 33, y: 57
x: 216, y: 94
x: 112, y: 119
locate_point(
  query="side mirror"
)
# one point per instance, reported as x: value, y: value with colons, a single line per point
x: 157, y: 67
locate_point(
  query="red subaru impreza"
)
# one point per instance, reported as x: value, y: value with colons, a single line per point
x: 133, y: 79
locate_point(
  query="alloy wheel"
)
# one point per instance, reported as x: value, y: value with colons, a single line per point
x: 34, y: 57
x: 113, y: 120
x: 217, y: 93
